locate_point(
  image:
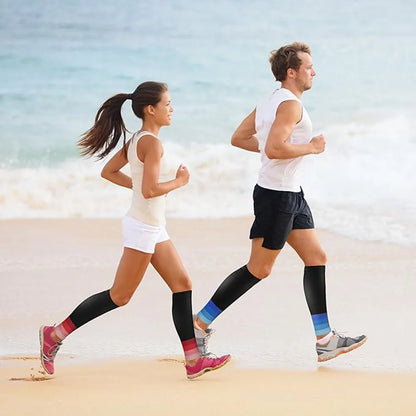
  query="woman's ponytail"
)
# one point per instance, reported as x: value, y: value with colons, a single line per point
x: 108, y: 127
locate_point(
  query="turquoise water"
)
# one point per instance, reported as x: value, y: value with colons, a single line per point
x: 60, y: 60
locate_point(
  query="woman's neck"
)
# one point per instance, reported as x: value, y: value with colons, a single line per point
x: 151, y: 127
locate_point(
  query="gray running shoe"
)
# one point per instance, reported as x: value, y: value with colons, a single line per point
x: 202, y: 338
x: 337, y: 345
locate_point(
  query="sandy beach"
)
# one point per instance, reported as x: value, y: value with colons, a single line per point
x: 129, y: 361
x: 132, y: 387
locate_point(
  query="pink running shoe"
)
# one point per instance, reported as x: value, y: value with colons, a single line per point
x: 48, y: 348
x: 205, y: 364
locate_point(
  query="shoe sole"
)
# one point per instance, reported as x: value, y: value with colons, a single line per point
x: 206, y: 370
x: 342, y: 351
x: 41, y: 349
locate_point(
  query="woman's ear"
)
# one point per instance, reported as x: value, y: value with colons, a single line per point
x: 149, y: 110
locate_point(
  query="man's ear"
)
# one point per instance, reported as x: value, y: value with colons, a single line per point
x: 290, y: 73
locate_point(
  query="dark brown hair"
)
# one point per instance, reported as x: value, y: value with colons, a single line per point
x: 108, y: 127
x: 287, y: 57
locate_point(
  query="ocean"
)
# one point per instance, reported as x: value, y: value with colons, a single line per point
x: 60, y: 60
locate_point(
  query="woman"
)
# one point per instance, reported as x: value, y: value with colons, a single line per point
x: 145, y: 237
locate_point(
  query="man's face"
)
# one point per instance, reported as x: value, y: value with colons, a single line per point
x: 305, y: 73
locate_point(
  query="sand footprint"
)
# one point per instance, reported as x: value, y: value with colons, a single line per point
x: 35, y: 375
x: 39, y: 375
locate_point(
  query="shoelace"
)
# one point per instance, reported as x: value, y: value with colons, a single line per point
x: 53, y: 350
x: 207, y: 336
x: 345, y: 340
x: 340, y: 334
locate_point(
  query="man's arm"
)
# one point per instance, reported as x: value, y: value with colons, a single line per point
x: 244, y: 137
x: 288, y: 114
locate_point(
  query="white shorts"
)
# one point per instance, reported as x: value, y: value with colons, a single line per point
x: 142, y: 237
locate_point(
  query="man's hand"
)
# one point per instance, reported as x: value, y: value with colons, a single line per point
x: 318, y: 144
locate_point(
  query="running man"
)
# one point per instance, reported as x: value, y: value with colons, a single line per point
x: 281, y: 130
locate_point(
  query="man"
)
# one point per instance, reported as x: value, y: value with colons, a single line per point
x: 280, y: 129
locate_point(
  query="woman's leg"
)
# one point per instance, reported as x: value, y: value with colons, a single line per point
x: 168, y: 264
x: 130, y: 272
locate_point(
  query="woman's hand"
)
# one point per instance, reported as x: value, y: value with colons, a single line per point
x: 182, y: 175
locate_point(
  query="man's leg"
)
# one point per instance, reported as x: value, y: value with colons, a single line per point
x: 329, y: 344
x: 308, y: 247
x: 239, y: 282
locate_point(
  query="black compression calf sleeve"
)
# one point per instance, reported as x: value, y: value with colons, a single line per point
x: 92, y: 307
x: 234, y: 286
x: 314, y: 287
x: 182, y: 314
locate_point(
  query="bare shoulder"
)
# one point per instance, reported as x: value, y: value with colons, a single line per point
x: 149, y: 145
x: 289, y: 105
x: 289, y: 110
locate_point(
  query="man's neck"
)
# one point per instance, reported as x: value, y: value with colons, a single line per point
x: 292, y: 88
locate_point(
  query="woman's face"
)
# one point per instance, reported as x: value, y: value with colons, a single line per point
x: 163, y: 110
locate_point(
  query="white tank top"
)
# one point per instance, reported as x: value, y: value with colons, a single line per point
x: 150, y: 211
x: 280, y: 174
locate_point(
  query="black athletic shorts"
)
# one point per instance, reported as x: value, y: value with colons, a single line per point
x: 277, y: 213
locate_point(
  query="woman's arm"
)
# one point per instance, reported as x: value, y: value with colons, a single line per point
x: 150, y: 153
x: 244, y: 137
x: 111, y: 170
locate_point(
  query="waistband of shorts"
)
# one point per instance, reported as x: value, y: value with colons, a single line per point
x: 280, y: 192
x: 135, y: 221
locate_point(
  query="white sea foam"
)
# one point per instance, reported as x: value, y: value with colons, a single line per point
x: 362, y: 186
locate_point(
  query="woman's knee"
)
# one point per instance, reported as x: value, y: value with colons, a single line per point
x: 182, y: 284
x: 323, y: 258
x: 120, y: 298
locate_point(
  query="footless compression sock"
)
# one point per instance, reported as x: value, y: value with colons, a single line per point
x: 182, y: 318
x: 315, y: 293
x: 234, y: 286
x: 86, y: 311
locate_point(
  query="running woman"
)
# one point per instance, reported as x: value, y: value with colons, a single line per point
x: 145, y: 236
x: 281, y: 130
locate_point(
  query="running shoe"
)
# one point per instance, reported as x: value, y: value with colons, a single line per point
x: 205, y: 364
x: 48, y: 348
x: 338, y: 344
x: 202, y: 338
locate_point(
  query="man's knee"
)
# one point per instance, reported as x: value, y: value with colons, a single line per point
x: 317, y: 258
x: 260, y: 271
